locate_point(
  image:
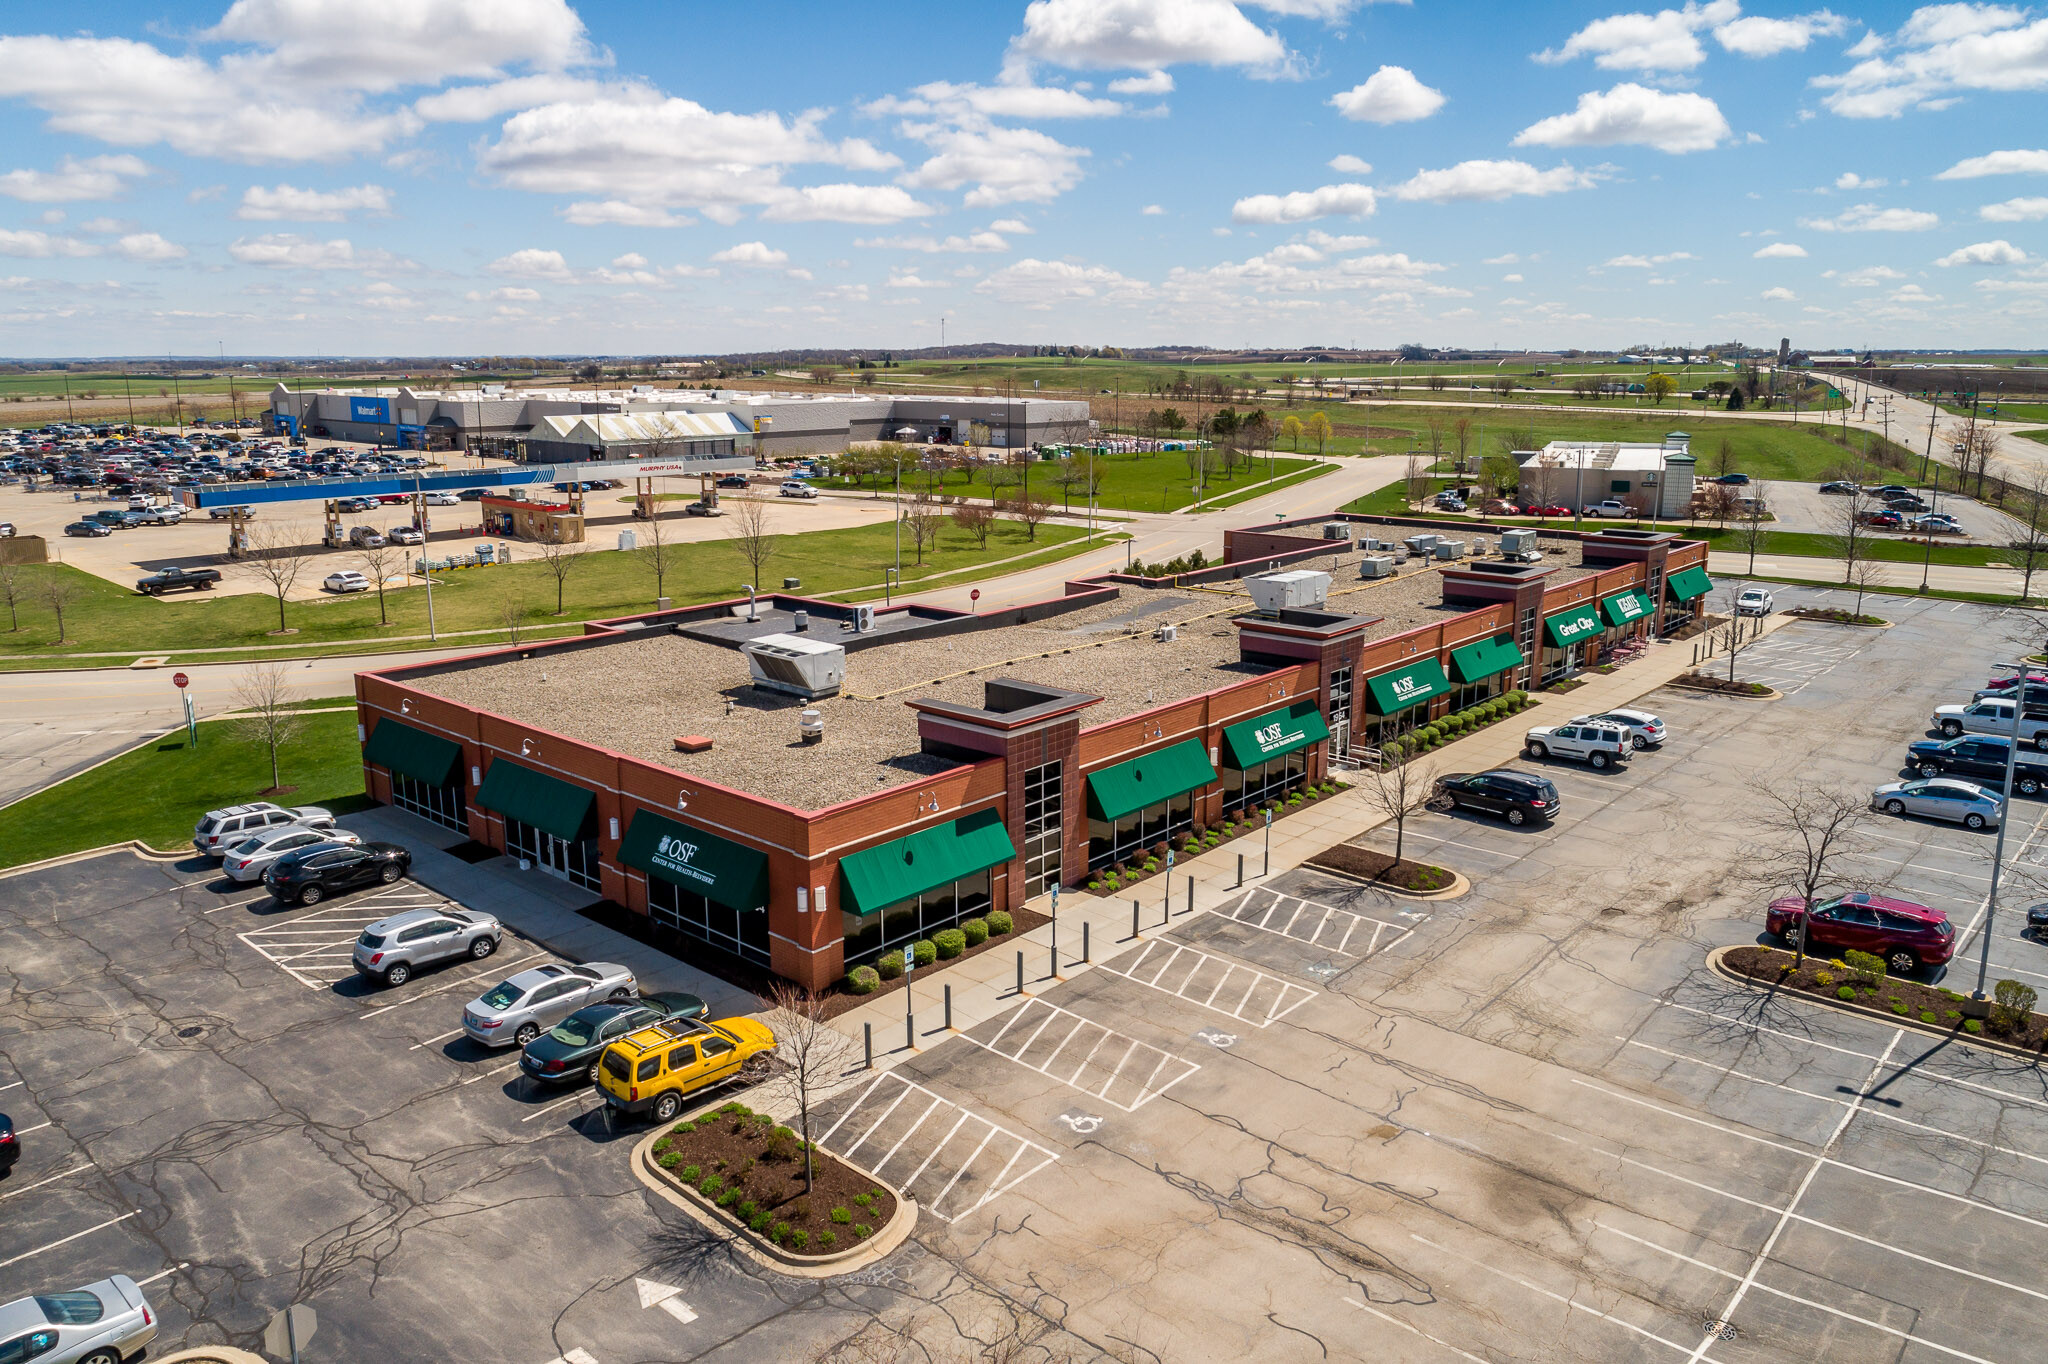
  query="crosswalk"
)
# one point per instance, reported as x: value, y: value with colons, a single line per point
x: 951, y: 1159
x: 1210, y: 982
x: 1085, y: 1055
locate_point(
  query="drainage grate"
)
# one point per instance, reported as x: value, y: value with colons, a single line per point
x: 190, y: 1032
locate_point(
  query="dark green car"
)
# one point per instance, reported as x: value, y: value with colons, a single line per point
x: 568, y: 1051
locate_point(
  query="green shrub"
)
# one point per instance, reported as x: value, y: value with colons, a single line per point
x: 691, y: 1174
x: 2012, y: 1002
x: 862, y: 980
x: 1973, y: 1025
x: 1951, y: 1014
x: 998, y: 922
x: 747, y: 1210
x: 1869, y: 968
x: 889, y: 965
x: 668, y: 1160
x: 1927, y: 1015
x: 926, y: 952
x: 712, y: 1185
x: 729, y: 1197
x: 976, y: 931
x: 758, y: 1222
x: 1821, y: 978
x: 1900, y: 1007
x: 864, y: 1199
x: 950, y: 942
x: 779, y: 1233
x: 800, y: 1241
x: 841, y: 1216
x: 827, y: 1239
x: 1847, y: 992
x: 862, y: 1230
x: 1151, y: 865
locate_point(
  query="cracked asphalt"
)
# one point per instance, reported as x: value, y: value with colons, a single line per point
x: 1310, y: 1124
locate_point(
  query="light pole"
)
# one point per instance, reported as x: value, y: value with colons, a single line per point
x: 2012, y: 753
x: 426, y: 564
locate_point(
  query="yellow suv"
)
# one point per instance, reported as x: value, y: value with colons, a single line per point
x: 655, y: 1069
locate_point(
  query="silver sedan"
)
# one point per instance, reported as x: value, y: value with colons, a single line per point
x: 1958, y: 802
x: 517, y: 1010
x: 101, y: 1323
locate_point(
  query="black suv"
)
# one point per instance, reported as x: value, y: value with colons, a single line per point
x: 308, y: 877
x: 1980, y: 756
x: 1517, y: 797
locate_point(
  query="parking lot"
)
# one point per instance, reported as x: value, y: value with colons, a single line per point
x: 1304, y: 1121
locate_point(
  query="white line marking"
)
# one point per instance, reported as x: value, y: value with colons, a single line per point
x: 1573, y: 1303
x: 1145, y: 1092
x: 908, y: 1132
x: 987, y: 1137
x: 30, y: 1254
x: 555, y: 1105
x: 24, y: 1131
x: 432, y: 1040
x: 47, y: 1179
x: 16, y: 1085
x: 957, y: 1122
x: 1415, y: 1331
x: 451, y: 985
x: 163, y: 1274
x: 485, y: 1075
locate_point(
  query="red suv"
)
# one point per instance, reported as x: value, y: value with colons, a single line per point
x: 1906, y: 935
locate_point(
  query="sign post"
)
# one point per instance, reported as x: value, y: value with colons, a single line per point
x: 181, y: 682
x: 1268, y: 868
x: 289, y: 1329
x: 1166, y: 899
x: 975, y: 598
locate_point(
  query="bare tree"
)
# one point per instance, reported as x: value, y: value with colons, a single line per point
x: 1749, y: 531
x: 977, y: 519
x: 14, y: 588
x: 60, y: 589
x: 265, y: 713
x: 1863, y: 575
x: 1737, y: 633
x: 658, y: 552
x: 2027, y: 541
x: 378, y: 561
x: 1434, y: 423
x: 923, y: 517
x: 1461, y: 436
x: 1416, y: 477
x: 1973, y: 444
x: 278, y: 554
x: 747, y: 526
x: 1398, y: 790
x: 1030, y: 508
x: 560, y: 557
x: 1807, y: 834
x: 816, y: 1053
x: 1851, y: 536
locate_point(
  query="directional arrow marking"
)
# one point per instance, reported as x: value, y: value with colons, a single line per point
x: 665, y: 1297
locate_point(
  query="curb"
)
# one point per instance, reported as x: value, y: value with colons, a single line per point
x: 766, y: 1254
x: 1770, y: 694
x: 213, y: 1354
x: 1459, y: 885
x: 133, y: 845
x: 1850, y: 624
x: 1885, y: 1016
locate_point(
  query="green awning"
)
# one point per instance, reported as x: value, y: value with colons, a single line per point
x: 1274, y: 734
x: 1626, y: 607
x: 717, y: 868
x: 1394, y: 692
x: 1571, y: 625
x: 1689, y: 582
x: 877, y: 877
x: 1116, y: 791
x: 547, y: 803
x: 410, y: 752
x: 1480, y: 660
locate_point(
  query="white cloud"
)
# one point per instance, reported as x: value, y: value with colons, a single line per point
x: 618, y: 213
x: 1039, y: 284
x: 1756, y: 36
x: 41, y: 245
x: 1851, y: 180
x: 1779, y: 251
x: 532, y: 263
x: 383, y: 44
x: 1633, y: 114
x: 149, y: 246
x: 1005, y: 165
x: 286, y: 250
x: 1870, y: 277
x: 2015, y: 211
x: 1010, y: 99
x: 1473, y: 181
x: 1151, y: 83
x: 1391, y: 94
x: 799, y: 273
x: 845, y: 204
x: 1941, y: 52
x: 1780, y: 295
x: 513, y: 293
x: 1152, y: 211
x: 1665, y: 41
x: 95, y: 177
x: 1015, y: 227
x: 1354, y: 201
x: 632, y: 260
x: 478, y: 103
x: 751, y: 253
x: 310, y: 205
x: 1510, y: 258
x: 1347, y: 164
x: 2000, y: 252
x: 1998, y: 163
x: 1647, y: 262
x: 1871, y: 218
x: 978, y: 242
x: 1144, y: 35
x: 909, y: 280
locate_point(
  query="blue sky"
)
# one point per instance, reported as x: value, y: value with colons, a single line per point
x: 513, y: 176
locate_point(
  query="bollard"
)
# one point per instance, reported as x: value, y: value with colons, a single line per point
x: 1134, y: 920
x: 1020, y: 972
x: 867, y: 1034
x: 909, y: 1031
x: 1191, y: 897
x: 1052, y: 963
x: 949, y: 1008
x: 1084, y: 940
x: 1240, y: 869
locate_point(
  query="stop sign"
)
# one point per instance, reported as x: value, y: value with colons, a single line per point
x: 975, y: 595
x: 180, y: 681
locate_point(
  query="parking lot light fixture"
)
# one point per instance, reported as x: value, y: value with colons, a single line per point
x: 2012, y: 753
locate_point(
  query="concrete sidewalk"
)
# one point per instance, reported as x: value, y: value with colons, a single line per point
x: 540, y: 907
x: 987, y: 985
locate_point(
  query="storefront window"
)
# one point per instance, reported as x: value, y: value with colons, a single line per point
x: 1473, y: 693
x: 1246, y: 788
x: 741, y: 933
x: 869, y: 935
x: 445, y: 805
x: 575, y: 861
x: 1130, y: 836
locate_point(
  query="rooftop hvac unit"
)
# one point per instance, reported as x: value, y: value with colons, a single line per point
x: 809, y: 668
x: 1480, y: 547
x: 1336, y: 530
x: 1425, y: 545
x: 1516, y: 542
x: 1166, y: 634
x: 1295, y: 590
x: 1376, y: 566
x: 863, y: 619
x: 1450, y: 549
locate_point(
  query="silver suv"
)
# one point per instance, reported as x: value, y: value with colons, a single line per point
x: 522, y: 1008
x: 1595, y: 744
x: 392, y: 949
x: 222, y: 829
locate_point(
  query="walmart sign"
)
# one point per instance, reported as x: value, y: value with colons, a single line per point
x: 369, y: 409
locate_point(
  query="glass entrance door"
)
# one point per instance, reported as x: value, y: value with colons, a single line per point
x: 1044, y: 829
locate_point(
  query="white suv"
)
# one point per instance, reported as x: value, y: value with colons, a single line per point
x: 222, y: 829
x: 1596, y: 745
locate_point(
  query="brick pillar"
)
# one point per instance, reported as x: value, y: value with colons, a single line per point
x: 1059, y: 741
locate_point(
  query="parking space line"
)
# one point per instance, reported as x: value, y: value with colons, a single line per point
x: 986, y: 1138
x: 24, y: 1131
x: 450, y: 985
x: 1415, y: 1331
x: 487, y: 1074
x: 163, y: 1274
x: 443, y: 1037
x: 909, y: 1131
x: 47, y: 1179
x: 1286, y: 995
x: 76, y: 1235
x: 1247, y: 907
x: 15, y: 1085
x: 555, y: 1105
x: 1079, y: 1026
x: 930, y: 1166
x: 957, y: 1122
x: 1794, y: 1297
x: 1572, y: 1302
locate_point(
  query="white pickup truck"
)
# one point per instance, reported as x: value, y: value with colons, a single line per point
x: 1991, y: 716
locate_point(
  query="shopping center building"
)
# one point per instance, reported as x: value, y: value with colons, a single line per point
x: 807, y: 787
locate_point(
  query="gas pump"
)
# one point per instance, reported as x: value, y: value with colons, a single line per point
x: 707, y: 489
x: 333, y: 536
x: 238, y: 533
x: 643, y: 499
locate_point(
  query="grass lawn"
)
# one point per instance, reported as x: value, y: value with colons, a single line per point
x: 2041, y: 436
x: 157, y: 792
x: 1156, y: 482
x: 1284, y: 481
x: 2011, y: 411
x: 105, y: 616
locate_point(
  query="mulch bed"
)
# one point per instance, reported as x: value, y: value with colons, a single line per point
x: 1702, y: 682
x: 1569, y: 684
x: 839, y: 999
x: 754, y: 1169
x: 1248, y: 822
x: 1362, y: 863
x: 1835, y: 615
x: 1907, y: 998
